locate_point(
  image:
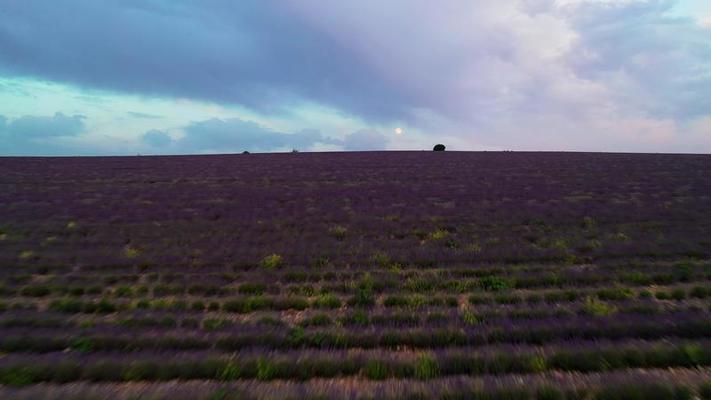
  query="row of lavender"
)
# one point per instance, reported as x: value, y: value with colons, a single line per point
x: 669, y: 384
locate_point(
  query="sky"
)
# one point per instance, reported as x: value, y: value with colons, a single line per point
x: 110, y: 77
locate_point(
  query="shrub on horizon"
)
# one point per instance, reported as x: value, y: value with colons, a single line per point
x: 438, y: 147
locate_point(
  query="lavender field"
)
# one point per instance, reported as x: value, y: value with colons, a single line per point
x: 377, y: 275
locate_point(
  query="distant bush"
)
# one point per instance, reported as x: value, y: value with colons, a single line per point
x: 358, y: 317
x: 362, y: 298
x: 419, y: 284
x: 438, y: 147
x: 305, y: 290
x: 17, y: 376
x: 266, y: 369
x: 190, y: 323
x: 637, y: 278
x: 206, y: 290
x: 142, y: 304
x: 588, y: 223
x: 338, y: 232
x: 35, y: 291
x: 615, y: 294
x: 211, y: 324
x: 272, y: 261
x: 381, y: 259
x: 494, y: 283
x: 678, y: 294
x: 662, y: 295
x: 227, y: 370
x: 197, y: 306
x: 375, y: 369
x: 94, y: 289
x: 131, y: 252
x: 320, y: 262
x: 5, y: 291
x: 123, y: 291
x: 469, y: 317
x: 290, y: 303
x: 317, y: 320
x: 104, y: 306
x: 396, y: 301
x: 168, y: 290
x: 66, y: 305
x: 240, y: 305
x: 438, y: 234
x: 252, y: 288
x: 699, y: 292
x: 27, y: 254
x: 705, y: 390
x: 179, y: 305
x: 597, y: 308
x: 683, y: 271
x: 426, y: 368
x: 327, y: 301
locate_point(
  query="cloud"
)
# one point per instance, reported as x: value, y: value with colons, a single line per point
x: 365, y: 139
x: 218, y: 135
x: 31, y: 134
x: 650, y: 61
x: 235, y: 135
x: 143, y: 115
x: 31, y: 126
x: 156, y: 138
x: 521, y: 74
x: 251, y: 53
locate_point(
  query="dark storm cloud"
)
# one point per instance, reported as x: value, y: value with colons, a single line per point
x: 215, y: 135
x: 250, y: 52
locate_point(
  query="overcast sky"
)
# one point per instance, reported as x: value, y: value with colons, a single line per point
x: 95, y: 77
